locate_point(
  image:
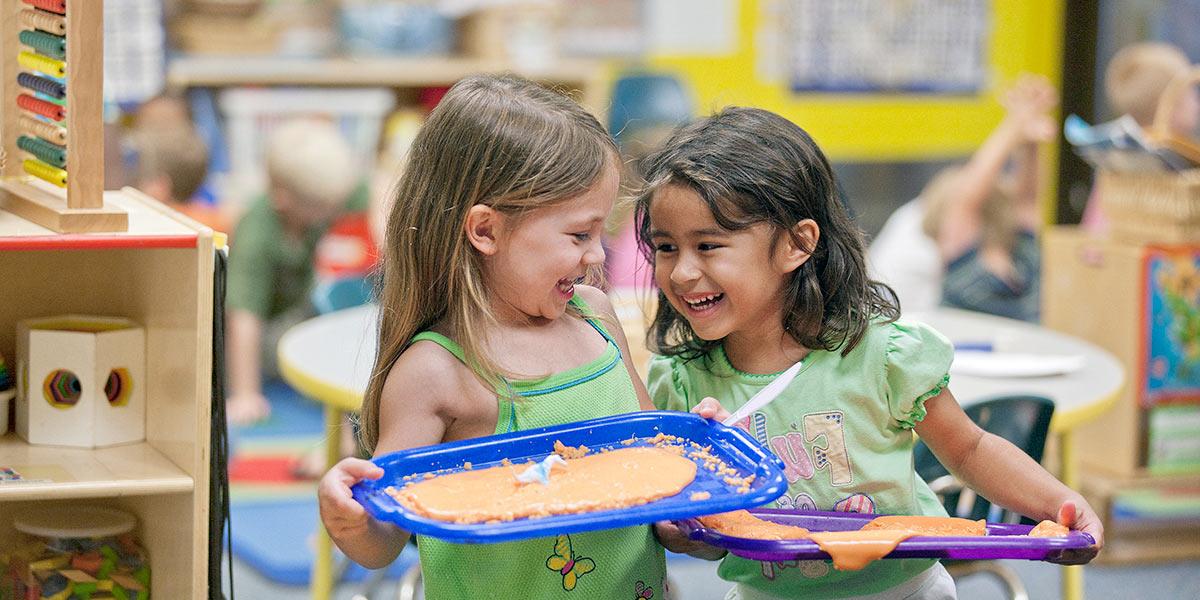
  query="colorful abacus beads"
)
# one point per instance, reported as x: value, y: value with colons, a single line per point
x: 45, y: 151
x: 44, y: 64
x: 44, y: 108
x: 43, y: 129
x: 54, y: 46
x: 45, y: 172
x: 50, y: 23
x: 54, y: 6
x: 42, y: 85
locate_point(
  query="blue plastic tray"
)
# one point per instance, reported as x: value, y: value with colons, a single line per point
x: 735, y: 447
x: 1002, y: 541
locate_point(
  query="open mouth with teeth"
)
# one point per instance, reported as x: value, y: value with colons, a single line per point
x: 566, y: 285
x: 702, y: 303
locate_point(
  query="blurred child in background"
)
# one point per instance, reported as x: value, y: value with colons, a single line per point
x: 984, y: 220
x: 1134, y: 82
x: 312, y: 180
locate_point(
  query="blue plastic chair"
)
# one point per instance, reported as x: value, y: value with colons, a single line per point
x: 647, y: 100
x: 1022, y: 420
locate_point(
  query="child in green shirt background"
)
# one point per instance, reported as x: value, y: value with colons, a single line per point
x: 758, y: 266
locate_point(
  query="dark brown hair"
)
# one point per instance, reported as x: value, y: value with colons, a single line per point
x: 753, y: 166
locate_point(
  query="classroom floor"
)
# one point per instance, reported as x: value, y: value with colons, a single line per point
x: 697, y: 580
x: 296, y: 426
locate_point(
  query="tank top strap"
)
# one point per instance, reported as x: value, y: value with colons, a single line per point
x: 590, y: 316
x: 450, y: 345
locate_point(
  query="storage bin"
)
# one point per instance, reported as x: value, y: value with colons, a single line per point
x: 79, y: 550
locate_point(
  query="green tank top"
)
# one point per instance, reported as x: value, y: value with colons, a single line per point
x: 614, y: 563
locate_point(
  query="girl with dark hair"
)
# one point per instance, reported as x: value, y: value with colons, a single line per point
x: 759, y: 267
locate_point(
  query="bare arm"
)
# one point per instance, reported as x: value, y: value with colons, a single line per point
x: 1000, y: 471
x: 599, y: 301
x: 410, y: 415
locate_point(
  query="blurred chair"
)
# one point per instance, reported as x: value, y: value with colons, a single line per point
x: 643, y: 101
x: 1022, y: 420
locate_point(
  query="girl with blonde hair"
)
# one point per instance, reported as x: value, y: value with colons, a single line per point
x: 485, y: 328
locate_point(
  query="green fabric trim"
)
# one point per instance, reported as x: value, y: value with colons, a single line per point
x: 450, y: 345
x: 917, y: 414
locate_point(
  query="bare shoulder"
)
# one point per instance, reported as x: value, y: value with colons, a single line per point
x: 597, y: 299
x: 428, y: 375
x: 425, y: 374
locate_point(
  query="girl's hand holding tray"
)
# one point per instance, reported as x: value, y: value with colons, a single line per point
x: 732, y: 472
x: 1000, y: 541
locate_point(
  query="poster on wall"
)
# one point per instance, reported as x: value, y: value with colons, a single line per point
x: 1172, y: 328
x: 866, y: 46
x: 1170, y: 381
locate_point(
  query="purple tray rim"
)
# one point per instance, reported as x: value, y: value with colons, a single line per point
x: 1004, y: 540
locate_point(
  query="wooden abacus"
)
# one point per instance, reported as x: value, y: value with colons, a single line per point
x: 52, y: 65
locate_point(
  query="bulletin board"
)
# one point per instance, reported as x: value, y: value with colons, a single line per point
x: 865, y: 46
x: 750, y: 66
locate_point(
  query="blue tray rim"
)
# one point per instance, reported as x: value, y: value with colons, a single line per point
x: 768, y: 485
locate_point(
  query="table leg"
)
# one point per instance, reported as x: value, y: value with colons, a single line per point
x: 322, y: 574
x: 1072, y: 575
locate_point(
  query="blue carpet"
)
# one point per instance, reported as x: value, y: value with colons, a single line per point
x: 277, y: 539
x: 274, y: 523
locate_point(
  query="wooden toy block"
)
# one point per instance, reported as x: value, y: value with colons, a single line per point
x: 80, y: 381
x: 88, y: 562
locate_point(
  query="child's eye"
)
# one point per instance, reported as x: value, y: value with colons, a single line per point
x: 707, y: 247
x: 664, y: 247
x: 582, y: 237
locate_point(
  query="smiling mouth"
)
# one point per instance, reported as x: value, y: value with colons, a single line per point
x: 702, y: 303
x: 567, y: 285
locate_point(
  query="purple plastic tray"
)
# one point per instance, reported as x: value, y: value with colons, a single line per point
x: 1002, y: 541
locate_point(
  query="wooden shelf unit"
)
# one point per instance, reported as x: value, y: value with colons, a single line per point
x: 160, y: 274
x: 586, y: 76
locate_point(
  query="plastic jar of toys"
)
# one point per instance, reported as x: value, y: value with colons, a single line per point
x: 68, y: 551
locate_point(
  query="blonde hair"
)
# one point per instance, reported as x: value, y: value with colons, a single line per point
x: 998, y: 219
x: 1137, y: 76
x: 177, y: 153
x: 500, y: 141
x: 311, y: 159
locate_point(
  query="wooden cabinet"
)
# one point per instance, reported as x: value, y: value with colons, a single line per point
x: 159, y: 274
x: 1132, y: 469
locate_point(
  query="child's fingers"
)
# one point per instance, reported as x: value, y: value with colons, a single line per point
x: 352, y: 470
x: 1066, y: 515
x: 709, y: 408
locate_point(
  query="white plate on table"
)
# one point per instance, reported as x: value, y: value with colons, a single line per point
x: 1014, y: 364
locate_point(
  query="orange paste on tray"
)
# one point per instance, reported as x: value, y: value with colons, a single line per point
x: 1049, y: 529
x: 850, y: 550
x: 601, y: 481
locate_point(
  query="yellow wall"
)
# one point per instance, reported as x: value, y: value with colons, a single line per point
x: 1024, y: 37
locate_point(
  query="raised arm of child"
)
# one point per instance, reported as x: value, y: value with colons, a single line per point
x: 1004, y: 474
x: 1026, y: 123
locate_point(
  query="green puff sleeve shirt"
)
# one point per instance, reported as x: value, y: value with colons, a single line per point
x: 843, y: 429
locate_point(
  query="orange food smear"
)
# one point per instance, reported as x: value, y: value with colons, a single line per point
x: 741, y: 523
x: 1049, y: 529
x: 853, y: 550
x: 850, y: 550
x: 929, y: 526
x: 598, y: 481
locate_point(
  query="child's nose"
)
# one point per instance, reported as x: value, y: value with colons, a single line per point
x: 684, y: 271
x: 594, y: 254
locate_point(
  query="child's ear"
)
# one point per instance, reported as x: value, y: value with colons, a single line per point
x: 483, y: 227
x: 798, y: 246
